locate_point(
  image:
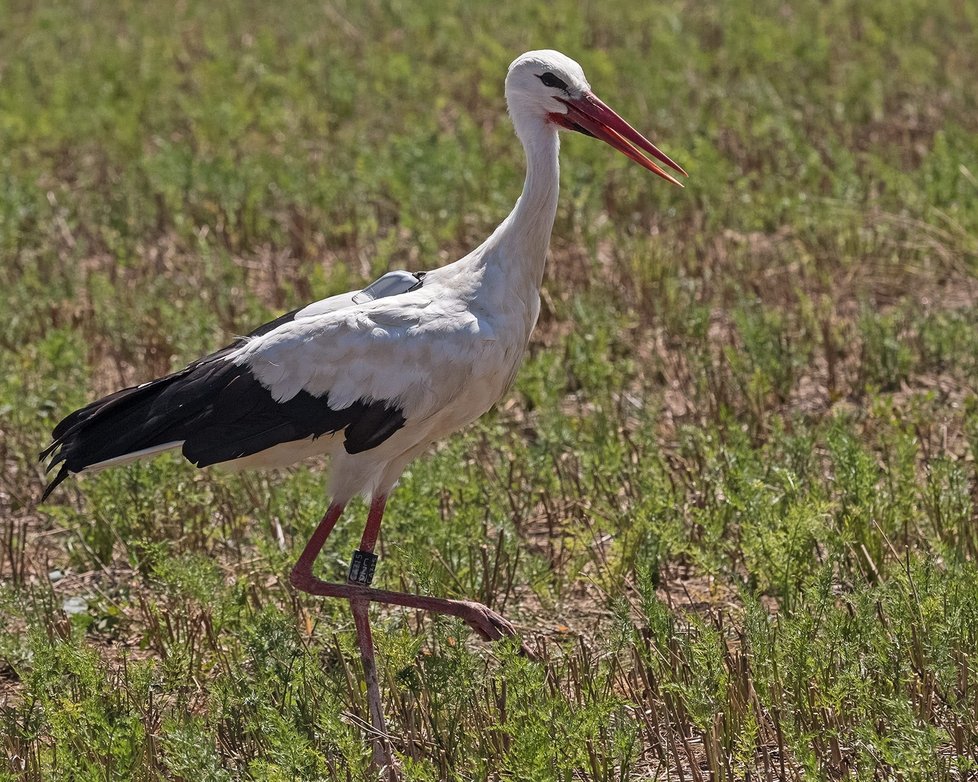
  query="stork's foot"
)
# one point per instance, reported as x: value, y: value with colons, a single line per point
x: 490, y: 625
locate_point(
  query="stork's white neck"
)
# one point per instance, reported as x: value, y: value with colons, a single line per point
x: 521, y: 240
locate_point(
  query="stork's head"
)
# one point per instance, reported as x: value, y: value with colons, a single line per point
x: 550, y: 87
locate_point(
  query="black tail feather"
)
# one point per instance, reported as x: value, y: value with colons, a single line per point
x: 218, y: 410
x: 62, y: 474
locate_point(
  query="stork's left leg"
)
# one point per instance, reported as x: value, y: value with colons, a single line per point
x: 490, y: 625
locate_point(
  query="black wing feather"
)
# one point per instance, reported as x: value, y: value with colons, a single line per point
x: 218, y: 409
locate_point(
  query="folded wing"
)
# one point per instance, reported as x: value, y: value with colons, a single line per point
x: 363, y: 369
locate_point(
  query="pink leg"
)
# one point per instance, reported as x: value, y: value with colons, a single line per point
x: 302, y: 573
x: 376, y: 515
x: 486, y: 622
x: 304, y: 565
x: 383, y: 757
x: 490, y: 625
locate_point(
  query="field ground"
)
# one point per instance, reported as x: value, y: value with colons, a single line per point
x: 731, y: 499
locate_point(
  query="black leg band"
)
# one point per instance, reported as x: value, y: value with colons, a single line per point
x: 362, y: 568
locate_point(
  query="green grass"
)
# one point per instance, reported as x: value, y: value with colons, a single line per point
x: 730, y: 501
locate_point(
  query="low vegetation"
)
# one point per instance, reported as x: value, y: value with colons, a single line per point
x: 730, y: 502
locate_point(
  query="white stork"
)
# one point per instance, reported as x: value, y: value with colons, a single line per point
x: 372, y: 377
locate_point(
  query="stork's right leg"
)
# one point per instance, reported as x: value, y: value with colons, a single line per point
x: 361, y: 570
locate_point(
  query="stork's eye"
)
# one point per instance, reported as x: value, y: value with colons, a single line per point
x: 553, y: 81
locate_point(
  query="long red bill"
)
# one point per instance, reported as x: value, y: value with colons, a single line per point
x: 590, y: 115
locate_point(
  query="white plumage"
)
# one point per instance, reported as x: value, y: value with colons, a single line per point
x: 443, y: 354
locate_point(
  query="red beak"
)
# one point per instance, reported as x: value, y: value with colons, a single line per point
x: 591, y: 116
